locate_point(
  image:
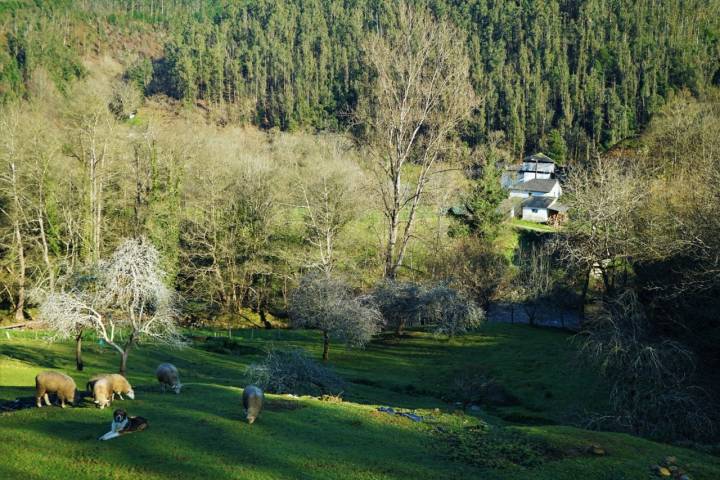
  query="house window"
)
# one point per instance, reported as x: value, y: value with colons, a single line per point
x: 534, y: 210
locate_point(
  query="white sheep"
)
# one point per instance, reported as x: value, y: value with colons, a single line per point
x: 54, y: 382
x: 252, y: 402
x: 168, y: 375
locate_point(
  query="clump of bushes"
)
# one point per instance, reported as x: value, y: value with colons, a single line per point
x: 441, y: 308
x: 653, y: 390
x: 293, y: 371
x: 476, y: 388
x: 499, y: 448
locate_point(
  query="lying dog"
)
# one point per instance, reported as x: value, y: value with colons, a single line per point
x: 123, y: 424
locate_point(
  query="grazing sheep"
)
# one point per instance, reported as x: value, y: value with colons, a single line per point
x: 252, y: 402
x: 54, y: 382
x: 118, y: 383
x: 102, y: 392
x: 167, y: 375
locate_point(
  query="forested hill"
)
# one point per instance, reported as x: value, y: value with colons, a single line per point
x: 565, y: 76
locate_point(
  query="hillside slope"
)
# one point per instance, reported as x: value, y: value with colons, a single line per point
x: 201, y: 434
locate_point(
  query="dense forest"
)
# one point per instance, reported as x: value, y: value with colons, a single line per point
x: 570, y: 78
x: 255, y: 142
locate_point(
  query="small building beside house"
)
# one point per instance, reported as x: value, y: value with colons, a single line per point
x: 543, y: 210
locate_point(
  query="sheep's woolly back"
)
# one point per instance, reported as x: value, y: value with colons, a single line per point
x: 119, y: 383
x: 167, y: 373
x: 91, y: 383
x: 253, y: 399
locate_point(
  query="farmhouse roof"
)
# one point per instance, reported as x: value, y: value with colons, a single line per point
x: 508, y: 204
x: 458, y: 211
x: 558, y: 207
x: 544, y: 185
x: 539, y: 158
x: 538, y: 202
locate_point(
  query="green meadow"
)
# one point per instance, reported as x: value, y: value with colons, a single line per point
x: 201, y: 433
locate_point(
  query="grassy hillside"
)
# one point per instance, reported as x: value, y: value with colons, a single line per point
x: 201, y: 434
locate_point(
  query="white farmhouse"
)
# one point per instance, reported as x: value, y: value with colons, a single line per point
x: 533, y: 190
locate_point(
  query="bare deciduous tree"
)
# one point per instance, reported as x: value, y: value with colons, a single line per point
x: 91, y: 133
x: 421, y: 94
x: 227, y: 235
x: 327, y: 304
x: 25, y: 152
x: 130, y: 302
x: 533, y: 280
x: 605, y: 200
x: 328, y: 205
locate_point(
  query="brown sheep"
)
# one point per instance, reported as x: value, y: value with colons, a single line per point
x: 54, y: 382
x: 168, y: 375
x: 102, y: 392
x: 118, y: 383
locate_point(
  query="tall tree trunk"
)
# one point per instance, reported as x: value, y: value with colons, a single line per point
x: 583, y: 296
x: 390, y: 266
x: 263, y: 317
x: 45, y: 251
x: 20, y: 305
x: 326, y: 346
x: 123, y: 362
x: 126, y: 351
x: 78, y: 352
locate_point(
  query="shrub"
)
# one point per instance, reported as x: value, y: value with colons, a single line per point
x: 476, y: 388
x: 449, y: 312
x: 498, y: 448
x: 400, y: 303
x: 293, y: 371
x: 651, y: 377
x: 445, y: 310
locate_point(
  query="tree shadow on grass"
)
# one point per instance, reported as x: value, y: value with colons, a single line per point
x: 32, y: 356
x: 14, y: 398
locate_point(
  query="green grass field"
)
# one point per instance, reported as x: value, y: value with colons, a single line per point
x: 201, y: 433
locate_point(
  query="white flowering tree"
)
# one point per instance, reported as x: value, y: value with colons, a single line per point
x: 129, y: 302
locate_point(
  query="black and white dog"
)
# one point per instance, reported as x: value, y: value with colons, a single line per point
x: 123, y: 424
